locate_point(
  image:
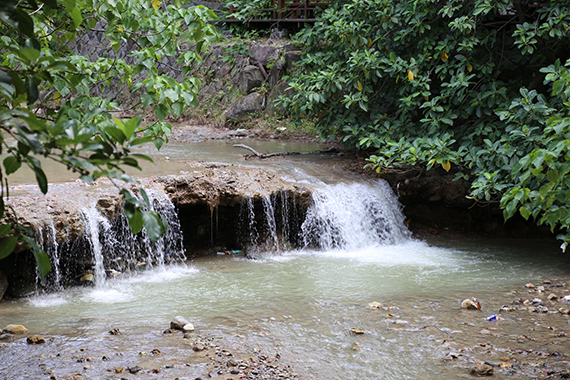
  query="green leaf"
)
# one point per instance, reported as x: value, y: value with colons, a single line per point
x: 7, y: 246
x: 5, y: 229
x: 135, y: 220
x: 153, y: 225
x: 525, y: 213
x: 29, y: 54
x: 31, y: 89
x: 42, y: 259
x: 11, y: 164
x: 158, y: 142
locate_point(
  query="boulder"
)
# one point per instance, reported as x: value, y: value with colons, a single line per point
x: 178, y: 323
x: 248, y: 78
x: 264, y: 54
x: 290, y: 58
x: 3, y: 285
x: 15, y: 329
x: 244, y: 107
x: 481, y: 370
x: 282, y: 89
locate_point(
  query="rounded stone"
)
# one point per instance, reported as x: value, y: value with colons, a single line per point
x: 178, y: 323
x: 15, y: 329
x: 35, y: 339
x: 188, y: 328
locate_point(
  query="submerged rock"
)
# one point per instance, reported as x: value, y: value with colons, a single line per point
x: 375, y: 305
x: 15, y: 329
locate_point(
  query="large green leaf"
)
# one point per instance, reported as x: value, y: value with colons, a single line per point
x: 7, y: 245
x: 153, y: 225
x: 11, y: 164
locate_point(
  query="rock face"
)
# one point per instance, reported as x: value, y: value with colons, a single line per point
x: 282, y: 89
x: 245, y: 107
x: 248, y: 78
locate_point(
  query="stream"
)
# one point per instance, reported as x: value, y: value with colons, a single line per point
x: 308, y: 307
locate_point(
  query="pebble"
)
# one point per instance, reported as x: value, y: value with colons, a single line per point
x: 375, y: 305
x: 199, y: 347
x: 187, y: 328
x: 470, y: 304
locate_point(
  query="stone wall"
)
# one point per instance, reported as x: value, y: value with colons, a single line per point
x: 229, y: 71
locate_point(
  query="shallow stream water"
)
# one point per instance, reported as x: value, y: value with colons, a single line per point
x: 300, y: 305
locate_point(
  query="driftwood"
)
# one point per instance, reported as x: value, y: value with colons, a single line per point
x: 267, y: 155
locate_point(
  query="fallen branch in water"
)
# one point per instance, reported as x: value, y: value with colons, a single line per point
x: 267, y: 155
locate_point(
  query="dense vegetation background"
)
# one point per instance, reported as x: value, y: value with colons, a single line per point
x: 480, y: 88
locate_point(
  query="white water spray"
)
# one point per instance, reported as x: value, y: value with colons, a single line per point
x: 354, y: 216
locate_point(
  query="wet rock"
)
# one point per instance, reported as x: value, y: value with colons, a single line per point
x: 375, y: 305
x: 198, y: 347
x: 481, y: 370
x: 356, y: 331
x: 537, y: 302
x: 134, y: 370
x: 471, y: 304
x: 115, y: 331
x: 541, y: 309
x: 187, y: 335
x: 6, y: 337
x: 3, y: 284
x: 552, y: 297
x: 188, y: 328
x: 178, y: 323
x: 529, y: 286
x: 15, y: 329
x: 35, y: 339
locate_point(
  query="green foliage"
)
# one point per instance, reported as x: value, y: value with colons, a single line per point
x: 475, y: 86
x: 248, y: 9
x: 48, y: 93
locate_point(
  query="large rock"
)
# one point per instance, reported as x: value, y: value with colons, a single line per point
x: 264, y: 54
x: 178, y: 323
x: 282, y: 89
x: 248, y: 78
x: 15, y: 329
x: 3, y: 284
x: 290, y: 58
x: 245, y: 107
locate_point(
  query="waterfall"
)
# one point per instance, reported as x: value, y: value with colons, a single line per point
x: 354, y: 216
x: 93, y: 221
x: 343, y: 216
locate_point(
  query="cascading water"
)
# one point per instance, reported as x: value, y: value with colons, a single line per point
x: 108, y: 245
x: 93, y: 221
x: 354, y: 216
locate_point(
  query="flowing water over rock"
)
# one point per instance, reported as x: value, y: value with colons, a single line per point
x: 320, y: 261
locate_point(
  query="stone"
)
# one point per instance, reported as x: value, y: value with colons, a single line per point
x: 290, y: 58
x: 135, y: 369
x: 552, y: 297
x: 178, y: 323
x: 6, y: 337
x: 15, y: 329
x: 272, y: 109
x: 375, y: 305
x: 356, y: 331
x: 481, y: 370
x: 198, y: 347
x: 470, y: 304
x: 245, y: 107
x: 3, y: 284
x: 264, y: 54
x: 188, y: 328
x: 541, y: 309
x: 248, y: 78
x: 35, y: 339
x: 529, y: 286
